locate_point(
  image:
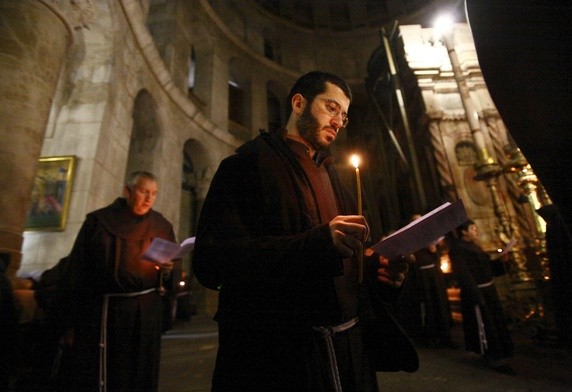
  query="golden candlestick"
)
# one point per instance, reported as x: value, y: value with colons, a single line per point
x: 355, y: 161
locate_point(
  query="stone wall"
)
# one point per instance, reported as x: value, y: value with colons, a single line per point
x: 108, y: 66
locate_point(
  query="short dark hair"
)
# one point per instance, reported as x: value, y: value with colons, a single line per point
x: 314, y: 83
x: 135, y: 176
x: 464, y: 226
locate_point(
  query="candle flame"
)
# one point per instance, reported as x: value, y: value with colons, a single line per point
x: 355, y: 160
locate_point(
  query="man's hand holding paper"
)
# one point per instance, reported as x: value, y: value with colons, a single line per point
x: 393, y: 272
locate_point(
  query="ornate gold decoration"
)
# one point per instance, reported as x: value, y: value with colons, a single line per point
x: 78, y: 13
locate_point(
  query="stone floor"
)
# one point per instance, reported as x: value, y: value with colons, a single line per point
x: 189, y: 351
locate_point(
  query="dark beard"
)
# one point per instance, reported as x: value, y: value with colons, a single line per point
x: 308, y: 128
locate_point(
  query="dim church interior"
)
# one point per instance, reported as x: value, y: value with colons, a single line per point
x: 194, y: 97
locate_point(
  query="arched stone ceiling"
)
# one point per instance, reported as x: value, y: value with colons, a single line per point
x: 348, y: 15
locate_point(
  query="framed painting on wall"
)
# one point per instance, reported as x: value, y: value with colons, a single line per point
x: 51, y: 194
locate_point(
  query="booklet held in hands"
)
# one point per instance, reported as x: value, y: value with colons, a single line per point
x: 163, y: 251
x: 423, y: 231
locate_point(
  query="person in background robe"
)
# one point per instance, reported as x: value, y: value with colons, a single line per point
x: 108, y: 304
x: 423, y: 308
x: 559, y: 249
x: 484, y: 323
x: 9, y: 318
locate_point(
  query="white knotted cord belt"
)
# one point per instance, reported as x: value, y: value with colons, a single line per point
x: 327, y: 333
x: 103, y: 334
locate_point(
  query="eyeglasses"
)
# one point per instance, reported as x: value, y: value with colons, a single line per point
x: 334, y: 109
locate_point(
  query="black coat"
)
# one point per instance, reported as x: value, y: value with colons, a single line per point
x: 259, y: 241
x: 473, y: 267
x: 424, y: 309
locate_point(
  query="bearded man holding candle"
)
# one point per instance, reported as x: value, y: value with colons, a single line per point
x: 279, y: 237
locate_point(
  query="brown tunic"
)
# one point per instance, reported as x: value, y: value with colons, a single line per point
x: 106, y: 259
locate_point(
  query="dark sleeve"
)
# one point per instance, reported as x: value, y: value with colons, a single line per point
x: 48, y: 283
x: 469, y: 289
x: 76, y: 280
x: 498, y: 267
x: 9, y: 318
x: 240, y: 233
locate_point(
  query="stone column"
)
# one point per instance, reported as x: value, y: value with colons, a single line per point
x: 33, y: 41
x: 217, y: 75
x: 258, y: 105
x: 487, y: 168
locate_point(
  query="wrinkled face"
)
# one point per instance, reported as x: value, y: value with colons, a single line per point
x: 142, y: 196
x: 321, y: 120
x: 472, y: 233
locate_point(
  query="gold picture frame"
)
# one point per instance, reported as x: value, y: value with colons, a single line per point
x: 51, y: 194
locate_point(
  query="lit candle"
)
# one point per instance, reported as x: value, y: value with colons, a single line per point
x: 355, y: 162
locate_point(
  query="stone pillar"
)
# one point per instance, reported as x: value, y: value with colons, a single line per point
x: 33, y: 42
x: 216, y: 75
x: 258, y: 106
